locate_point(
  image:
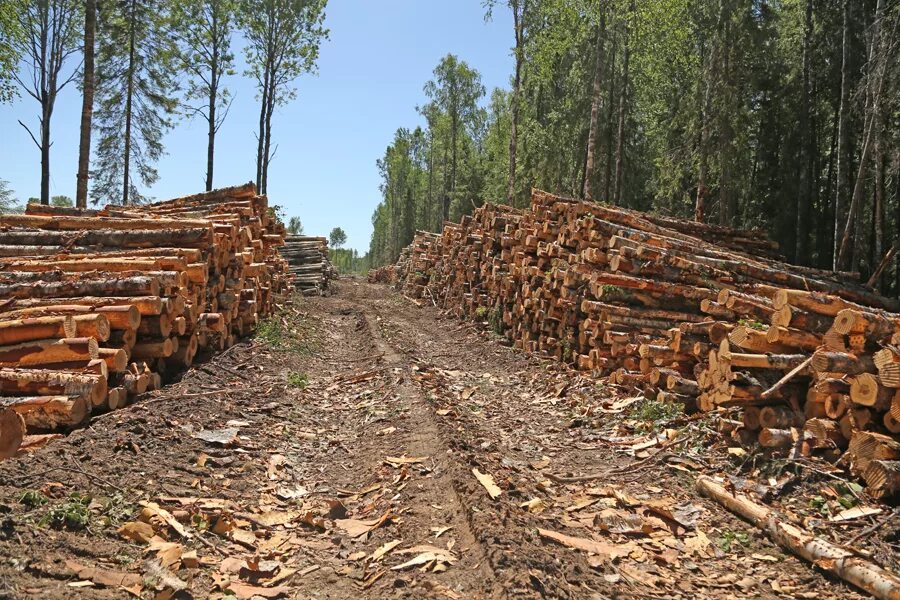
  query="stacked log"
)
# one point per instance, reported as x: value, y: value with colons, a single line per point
x: 694, y: 313
x: 309, y: 263
x: 97, y: 306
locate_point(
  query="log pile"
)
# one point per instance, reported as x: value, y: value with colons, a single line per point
x: 98, y: 306
x: 694, y: 313
x: 309, y: 263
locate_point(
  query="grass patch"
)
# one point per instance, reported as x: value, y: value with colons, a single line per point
x: 32, y: 499
x: 289, y: 331
x: 297, y: 380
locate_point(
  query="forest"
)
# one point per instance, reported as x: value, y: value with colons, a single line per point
x: 774, y: 115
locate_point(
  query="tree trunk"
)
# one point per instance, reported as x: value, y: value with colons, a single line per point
x: 518, y: 25
x: 610, y: 120
x: 705, y: 120
x: 128, y: 99
x: 211, y: 116
x: 804, y: 187
x: 595, y: 114
x: 87, y: 105
x: 842, y: 131
x: 875, y: 87
x: 623, y: 108
x: 45, y: 151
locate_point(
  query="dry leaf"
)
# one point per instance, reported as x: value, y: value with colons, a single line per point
x: 275, y: 461
x: 856, y: 512
x: 152, y: 509
x: 608, y: 551
x: 382, y: 550
x: 488, y: 482
x: 104, y: 577
x: 137, y: 531
x: 245, y: 591
x: 535, y: 505
x: 356, y: 528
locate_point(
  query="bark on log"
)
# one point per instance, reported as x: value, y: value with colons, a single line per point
x: 47, y: 413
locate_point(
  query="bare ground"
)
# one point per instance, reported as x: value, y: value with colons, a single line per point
x: 356, y: 425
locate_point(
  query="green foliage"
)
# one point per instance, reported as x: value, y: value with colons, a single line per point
x: 62, y: 201
x: 337, y: 237
x: 728, y: 538
x: 72, y: 514
x: 11, y: 37
x: 652, y: 414
x: 718, y: 84
x: 297, y: 380
x: 294, y: 226
x: 8, y: 198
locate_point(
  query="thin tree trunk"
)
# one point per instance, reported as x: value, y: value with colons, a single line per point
x: 128, y: 100
x: 875, y: 85
x: 87, y: 105
x: 518, y: 25
x: 213, y: 95
x: 842, y: 130
x: 595, y: 114
x: 705, y: 119
x: 623, y: 109
x: 454, y: 123
x: 610, y: 118
x: 260, y: 142
x: 803, y: 189
x: 45, y: 152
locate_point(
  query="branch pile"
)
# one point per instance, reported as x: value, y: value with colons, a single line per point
x: 692, y: 313
x: 309, y: 263
x: 98, y: 306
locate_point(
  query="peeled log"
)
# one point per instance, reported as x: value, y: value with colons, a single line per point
x: 38, y: 328
x: 845, y: 564
x: 152, y: 349
x: 116, y: 359
x: 49, y: 412
x: 125, y: 316
x: 94, y: 325
x: 42, y: 352
x: 12, y: 431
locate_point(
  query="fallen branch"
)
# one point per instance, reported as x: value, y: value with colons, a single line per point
x: 780, y: 383
x: 825, y: 555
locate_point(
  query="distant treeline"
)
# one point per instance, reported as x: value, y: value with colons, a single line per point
x: 778, y: 115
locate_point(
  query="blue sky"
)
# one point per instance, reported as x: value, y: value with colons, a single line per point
x: 371, y: 72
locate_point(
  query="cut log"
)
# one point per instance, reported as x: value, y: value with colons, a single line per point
x: 27, y: 382
x: 883, y: 478
x: 43, y: 352
x: 38, y: 328
x: 12, y: 432
x: 45, y: 413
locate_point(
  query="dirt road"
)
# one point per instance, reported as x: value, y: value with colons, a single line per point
x: 361, y: 446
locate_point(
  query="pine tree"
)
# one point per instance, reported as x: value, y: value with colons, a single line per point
x: 136, y: 101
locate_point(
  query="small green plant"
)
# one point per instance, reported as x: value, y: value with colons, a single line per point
x: 72, y: 514
x: 652, y: 413
x: 753, y: 324
x: 271, y: 332
x: 728, y: 538
x: 297, y: 380
x: 481, y: 313
x: 32, y: 499
x: 115, y: 509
